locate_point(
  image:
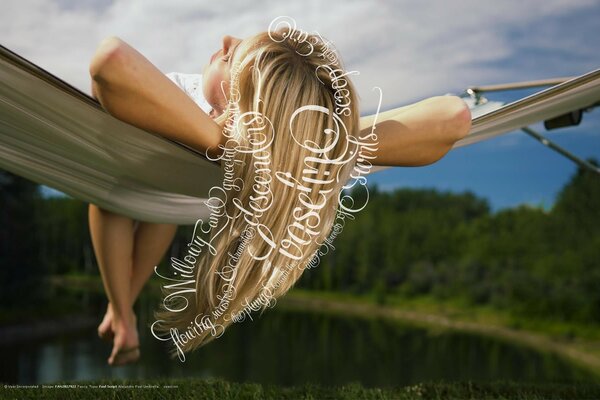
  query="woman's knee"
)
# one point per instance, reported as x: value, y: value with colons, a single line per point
x: 104, y: 213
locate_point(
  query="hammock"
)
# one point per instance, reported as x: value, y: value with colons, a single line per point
x: 58, y: 136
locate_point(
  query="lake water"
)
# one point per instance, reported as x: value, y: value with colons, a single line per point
x: 290, y: 348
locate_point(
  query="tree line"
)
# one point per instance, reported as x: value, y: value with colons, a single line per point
x: 425, y: 242
x: 407, y: 242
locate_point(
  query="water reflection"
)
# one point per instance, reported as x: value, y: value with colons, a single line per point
x: 290, y: 348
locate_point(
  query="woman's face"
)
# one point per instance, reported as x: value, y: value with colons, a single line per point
x: 216, y: 74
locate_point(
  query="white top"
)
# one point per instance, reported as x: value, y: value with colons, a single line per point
x: 191, y: 84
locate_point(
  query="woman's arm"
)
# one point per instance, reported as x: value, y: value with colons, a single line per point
x: 421, y: 133
x: 132, y: 89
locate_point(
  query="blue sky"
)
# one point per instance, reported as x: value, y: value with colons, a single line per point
x: 412, y: 50
x: 507, y: 170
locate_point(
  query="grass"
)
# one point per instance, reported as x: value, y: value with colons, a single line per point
x: 216, y: 389
x: 456, y: 309
x: 487, y: 314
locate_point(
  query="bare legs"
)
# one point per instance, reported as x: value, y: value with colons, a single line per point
x: 126, y: 259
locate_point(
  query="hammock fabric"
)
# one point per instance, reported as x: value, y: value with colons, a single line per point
x: 55, y: 135
x: 58, y: 136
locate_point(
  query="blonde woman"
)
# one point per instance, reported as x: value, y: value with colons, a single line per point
x: 278, y: 215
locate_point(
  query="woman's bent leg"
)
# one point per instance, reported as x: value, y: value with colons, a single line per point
x: 151, y: 242
x: 113, y: 238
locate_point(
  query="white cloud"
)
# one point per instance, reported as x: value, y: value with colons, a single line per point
x: 412, y: 50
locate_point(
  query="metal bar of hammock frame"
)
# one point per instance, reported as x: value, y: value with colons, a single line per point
x: 476, y: 91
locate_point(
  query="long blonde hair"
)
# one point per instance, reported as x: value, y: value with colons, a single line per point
x: 288, y: 130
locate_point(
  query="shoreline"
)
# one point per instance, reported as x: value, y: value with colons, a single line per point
x: 46, y: 328
x: 579, y: 351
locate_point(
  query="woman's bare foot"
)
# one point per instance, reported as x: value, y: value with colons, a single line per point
x: 105, y: 331
x: 126, y: 342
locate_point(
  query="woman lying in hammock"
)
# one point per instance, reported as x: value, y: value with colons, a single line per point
x: 271, y: 77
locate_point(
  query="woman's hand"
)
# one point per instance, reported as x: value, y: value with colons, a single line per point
x: 421, y: 133
x: 132, y: 89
